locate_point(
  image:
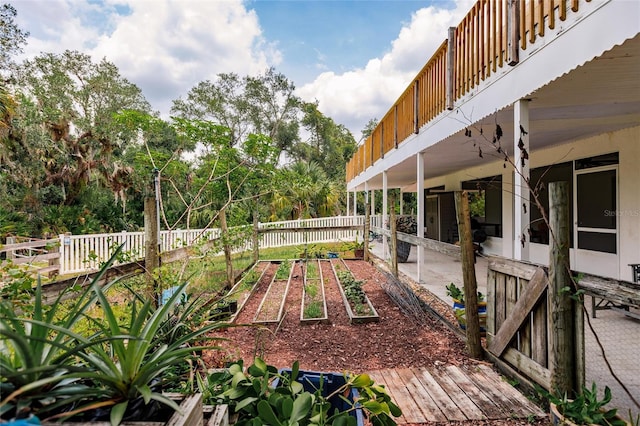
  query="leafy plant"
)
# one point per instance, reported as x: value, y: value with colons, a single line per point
x: 282, y: 273
x: 586, y: 408
x: 352, y: 287
x: 49, y: 369
x: 455, y: 293
x: 39, y: 349
x: 352, y: 245
x: 313, y: 310
x: 252, y: 395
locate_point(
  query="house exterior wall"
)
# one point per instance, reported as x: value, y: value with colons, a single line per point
x: 626, y: 142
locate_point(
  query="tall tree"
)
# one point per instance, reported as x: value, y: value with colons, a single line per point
x: 264, y: 104
x: 63, y: 135
x: 330, y: 145
x: 11, y: 37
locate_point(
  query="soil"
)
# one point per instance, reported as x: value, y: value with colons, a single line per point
x: 396, y: 340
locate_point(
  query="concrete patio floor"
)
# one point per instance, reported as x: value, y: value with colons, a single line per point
x: 619, y: 334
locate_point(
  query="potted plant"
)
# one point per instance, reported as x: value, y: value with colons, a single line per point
x: 406, y: 224
x: 585, y: 409
x: 356, y: 246
x: 288, y: 397
x: 459, y: 308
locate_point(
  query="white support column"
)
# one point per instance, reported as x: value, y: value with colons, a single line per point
x: 385, y: 213
x: 507, y: 213
x: 348, y: 202
x: 366, y: 204
x: 373, y: 202
x: 355, y: 203
x: 420, y: 214
x: 401, y: 201
x: 521, y: 207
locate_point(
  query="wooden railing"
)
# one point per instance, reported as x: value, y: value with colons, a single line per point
x: 474, y: 50
x: 39, y: 256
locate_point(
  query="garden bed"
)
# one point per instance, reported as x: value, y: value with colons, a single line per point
x: 272, y: 305
x: 313, y: 308
x: 243, y: 289
x: 358, y: 306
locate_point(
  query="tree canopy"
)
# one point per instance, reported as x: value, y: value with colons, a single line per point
x: 80, y: 146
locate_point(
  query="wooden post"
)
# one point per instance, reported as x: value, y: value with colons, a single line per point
x: 224, y: 231
x: 474, y: 346
x: 256, y: 237
x: 393, y: 246
x: 563, y: 377
x: 152, y: 256
x: 367, y: 219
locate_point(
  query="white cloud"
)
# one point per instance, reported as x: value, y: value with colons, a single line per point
x: 354, y: 97
x: 165, y: 47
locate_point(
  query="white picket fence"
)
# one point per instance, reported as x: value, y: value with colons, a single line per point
x: 83, y: 253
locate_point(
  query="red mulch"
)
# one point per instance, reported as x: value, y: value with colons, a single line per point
x: 395, y: 341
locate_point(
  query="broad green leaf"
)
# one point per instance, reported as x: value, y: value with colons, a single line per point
x: 248, y: 400
x: 361, y: 381
x: 145, y: 391
x: 237, y: 378
x: 296, y: 388
x: 266, y: 413
x: 117, y: 413
x: 394, y: 409
x: 373, y: 406
x: 301, y: 407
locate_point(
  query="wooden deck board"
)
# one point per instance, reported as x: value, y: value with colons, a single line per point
x: 412, y: 413
x: 379, y: 377
x: 421, y: 396
x: 520, y: 403
x: 453, y: 394
x: 446, y: 404
x: 464, y: 403
x: 484, y: 403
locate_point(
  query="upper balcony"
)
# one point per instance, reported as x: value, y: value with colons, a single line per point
x: 578, y: 60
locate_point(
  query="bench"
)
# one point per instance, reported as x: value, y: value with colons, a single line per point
x: 613, y: 294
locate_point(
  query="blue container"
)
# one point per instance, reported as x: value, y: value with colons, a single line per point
x: 331, y: 382
x: 332, y: 255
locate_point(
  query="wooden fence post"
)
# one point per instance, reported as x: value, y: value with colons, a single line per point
x: 256, y: 237
x: 474, y: 345
x: 563, y: 377
x: 152, y: 256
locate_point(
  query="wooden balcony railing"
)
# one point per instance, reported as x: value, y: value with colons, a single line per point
x: 488, y: 38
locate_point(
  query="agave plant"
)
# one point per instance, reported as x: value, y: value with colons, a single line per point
x: 52, y: 371
x: 37, y: 354
x: 130, y: 366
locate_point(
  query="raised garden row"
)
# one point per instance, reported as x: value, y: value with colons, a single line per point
x: 314, y: 305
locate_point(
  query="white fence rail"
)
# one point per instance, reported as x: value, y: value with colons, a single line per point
x: 83, y: 253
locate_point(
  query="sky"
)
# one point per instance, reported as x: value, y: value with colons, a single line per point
x: 354, y: 57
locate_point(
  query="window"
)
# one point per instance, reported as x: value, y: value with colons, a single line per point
x: 486, y: 203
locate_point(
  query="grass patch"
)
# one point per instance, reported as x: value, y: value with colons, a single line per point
x: 313, y: 310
